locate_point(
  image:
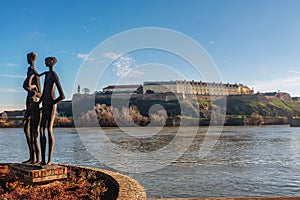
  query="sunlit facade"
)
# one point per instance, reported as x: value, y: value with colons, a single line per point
x: 196, y: 88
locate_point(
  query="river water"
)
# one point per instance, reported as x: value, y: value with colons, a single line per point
x: 245, y: 161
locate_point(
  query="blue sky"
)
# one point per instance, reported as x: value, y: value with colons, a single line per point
x: 255, y: 42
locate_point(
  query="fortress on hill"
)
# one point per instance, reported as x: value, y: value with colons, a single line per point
x: 182, y: 87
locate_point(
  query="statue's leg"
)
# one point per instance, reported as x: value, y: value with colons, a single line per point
x: 35, y: 124
x: 43, y: 137
x: 27, y: 135
x: 51, y: 138
x: 36, y: 146
x: 32, y: 149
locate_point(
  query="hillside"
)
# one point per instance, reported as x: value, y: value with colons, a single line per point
x: 236, y: 106
x: 246, y: 105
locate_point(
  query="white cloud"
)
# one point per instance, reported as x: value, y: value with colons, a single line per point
x: 39, y: 33
x: 12, y: 76
x: 86, y: 29
x: 290, y: 85
x: 211, y: 42
x: 84, y: 57
x: 124, y: 65
x: 12, y: 64
x: 10, y: 90
x: 10, y: 107
x: 111, y: 55
x: 295, y: 72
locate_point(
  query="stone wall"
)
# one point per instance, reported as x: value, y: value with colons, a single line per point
x: 129, y: 188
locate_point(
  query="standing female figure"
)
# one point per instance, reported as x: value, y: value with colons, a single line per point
x: 32, y: 116
x: 49, y: 103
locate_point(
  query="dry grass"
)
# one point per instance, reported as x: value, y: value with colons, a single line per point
x: 80, y: 184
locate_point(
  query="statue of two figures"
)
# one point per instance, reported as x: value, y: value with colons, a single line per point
x: 34, y: 120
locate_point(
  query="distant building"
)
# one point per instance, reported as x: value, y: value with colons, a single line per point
x: 196, y: 88
x: 17, y: 114
x: 278, y: 95
x: 284, y: 96
x: 122, y: 89
x: 296, y: 99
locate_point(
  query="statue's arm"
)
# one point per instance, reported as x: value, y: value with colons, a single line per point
x: 41, y: 99
x: 27, y: 85
x: 60, y: 90
x: 38, y: 85
x: 39, y: 75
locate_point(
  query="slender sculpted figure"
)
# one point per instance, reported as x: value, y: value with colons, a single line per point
x: 49, y: 103
x: 32, y: 115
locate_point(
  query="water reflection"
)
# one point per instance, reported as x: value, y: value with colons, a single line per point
x: 246, y: 161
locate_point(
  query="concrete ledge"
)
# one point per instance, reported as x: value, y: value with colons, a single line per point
x: 129, y: 188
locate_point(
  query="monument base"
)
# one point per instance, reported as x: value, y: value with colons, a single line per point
x: 38, y: 174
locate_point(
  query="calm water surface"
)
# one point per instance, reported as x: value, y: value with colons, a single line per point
x: 246, y: 161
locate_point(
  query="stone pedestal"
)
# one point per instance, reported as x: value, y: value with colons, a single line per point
x: 39, y: 174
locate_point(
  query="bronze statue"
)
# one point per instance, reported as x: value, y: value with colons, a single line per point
x: 49, y: 103
x: 32, y: 115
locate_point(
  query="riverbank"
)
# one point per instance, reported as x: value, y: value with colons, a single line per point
x: 18, y: 123
x: 68, y: 122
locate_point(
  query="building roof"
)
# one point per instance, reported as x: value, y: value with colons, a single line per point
x: 121, y: 87
x: 159, y: 82
x: 270, y: 93
x: 14, y: 113
x: 192, y: 82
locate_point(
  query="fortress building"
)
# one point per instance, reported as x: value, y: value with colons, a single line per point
x: 196, y: 88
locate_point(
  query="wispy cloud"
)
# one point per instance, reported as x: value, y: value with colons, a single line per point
x: 124, y: 65
x: 290, y: 84
x: 111, y: 55
x: 39, y: 33
x: 12, y: 76
x: 3, y: 90
x: 84, y: 57
x: 86, y: 29
x: 294, y: 72
x: 10, y: 107
x: 12, y: 64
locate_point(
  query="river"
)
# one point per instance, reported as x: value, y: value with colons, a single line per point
x: 245, y: 161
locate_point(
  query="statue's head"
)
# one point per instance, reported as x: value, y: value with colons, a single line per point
x: 31, y: 57
x: 50, y: 61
